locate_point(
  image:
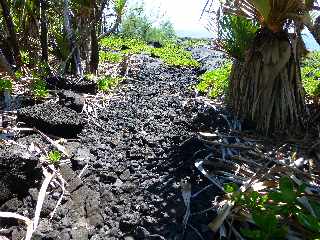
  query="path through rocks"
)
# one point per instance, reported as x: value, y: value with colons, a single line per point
x: 135, y: 154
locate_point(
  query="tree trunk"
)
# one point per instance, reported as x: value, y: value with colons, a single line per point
x: 70, y: 35
x: 94, y: 58
x: 266, y: 89
x: 44, y: 31
x: 5, y: 66
x: 11, y: 30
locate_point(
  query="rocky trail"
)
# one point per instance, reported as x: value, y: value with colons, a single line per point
x: 131, y: 150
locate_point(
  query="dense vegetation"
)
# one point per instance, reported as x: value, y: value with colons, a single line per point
x: 171, y: 53
x: 215, y: 83
x: 42, y: 43
x: 137, y: 34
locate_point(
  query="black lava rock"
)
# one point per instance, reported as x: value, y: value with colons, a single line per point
x: 52, y: 118
x: 77, y: 84
x: 71, y: 100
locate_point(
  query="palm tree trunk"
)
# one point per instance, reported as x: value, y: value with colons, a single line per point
x: 44, y: 31
x: 11, y: 30
x: 266, y: 89
x: 71, y: 38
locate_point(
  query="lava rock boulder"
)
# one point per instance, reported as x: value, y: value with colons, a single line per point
x: 76, y: 84
x: 53, y: 119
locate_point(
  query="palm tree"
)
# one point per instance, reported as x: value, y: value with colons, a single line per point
x: 266, y: 87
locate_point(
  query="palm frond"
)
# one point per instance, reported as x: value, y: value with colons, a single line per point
x: 270, y: 13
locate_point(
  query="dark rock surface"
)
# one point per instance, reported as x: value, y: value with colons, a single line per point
x: 52, y: 118
x: 136, y: 154
x: 208, y: 57
x: 18, y: 173
x: 76, y: 84
x: 71, y: 100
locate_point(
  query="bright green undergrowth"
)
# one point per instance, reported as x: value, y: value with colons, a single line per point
x: 272, y: 212
x: 107, y: 83
x: 5, y: 85
x: 215, y: 83
x: 54, y: 157
x: 171, y: 53
x: 39, y: 88
x: 174, y: 55
x: 111, y: 57
x: 310, y: 73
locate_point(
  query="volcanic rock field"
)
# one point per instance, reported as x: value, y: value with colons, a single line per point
x: 129, y: 154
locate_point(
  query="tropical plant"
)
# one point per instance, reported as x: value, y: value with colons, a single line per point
x: 175, y: 55
x: 265, y: 86
x: 235, y: 34
x: 54, y: 157
x: 5, y: 85
x: 273, y: 211
x: 311, y: 76
x: 215, y: 83
x: 107, y: 83
x: 171, y: 53
x: 136, y: 24
x: 39, y: 88
x: 112, y: 57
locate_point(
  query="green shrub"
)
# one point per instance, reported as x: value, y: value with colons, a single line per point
x: 54, y: 157
x: 170, y: 53
x: 39, y: 88
x: 119, y: 6
x: 25, y: 58
x: 215, y: 83
x: 108, y: 83
x: 5, y: 85
x: 130, y: 45
x: 111, y: 57
x: 272, y: 211
x: 310, y: 73
x: 174, y: 55
x: 136, y: 24
x: 235, y: 35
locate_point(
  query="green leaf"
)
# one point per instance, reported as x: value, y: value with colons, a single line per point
x: 309, y: 221
x: 54, y: 157
x: 263, y: 8
x: 251, y: 234
x: 265, y: 220
x: 230, y: 187
x: 316, y: 208
x: 286, y: 185
x: 285, y: 197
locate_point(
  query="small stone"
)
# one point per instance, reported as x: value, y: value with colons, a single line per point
x: 96, y: 237
x: 118, y: 183
x: 125, y: 175
x: 128, y: 238
x: 34, y: 194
